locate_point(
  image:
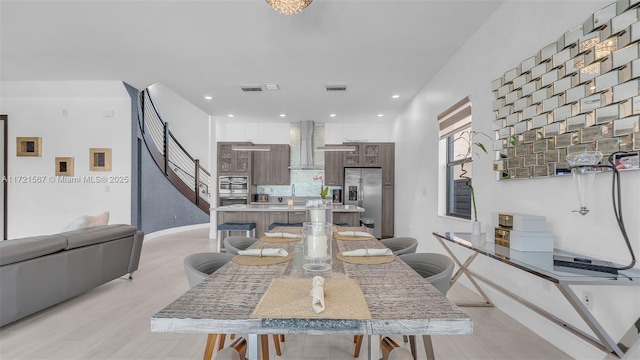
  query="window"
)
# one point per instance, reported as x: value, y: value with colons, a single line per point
x: 454, y: 126
x: 458, y: 193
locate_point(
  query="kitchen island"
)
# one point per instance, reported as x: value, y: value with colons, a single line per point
x: 265, y: 214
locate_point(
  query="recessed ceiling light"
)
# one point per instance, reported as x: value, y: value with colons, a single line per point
x: 332, y: 115
x: 230, y: 115
x: 207, y: 97
x: 395, y: 96
x: 283, y: 115
x: 380, y: 115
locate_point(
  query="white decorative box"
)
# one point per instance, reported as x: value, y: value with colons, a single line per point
x: 530, y: 241
x: 520, y: 222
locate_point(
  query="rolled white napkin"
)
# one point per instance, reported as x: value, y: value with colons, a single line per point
x: 355, y: 233
x: 281, y: 235
x: 264, y: 252
x: 317, y: 294
x: 368, y: 252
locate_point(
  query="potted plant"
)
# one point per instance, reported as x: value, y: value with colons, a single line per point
x: 471, y: 147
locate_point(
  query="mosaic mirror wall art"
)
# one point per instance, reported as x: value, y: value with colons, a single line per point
x: 579, y: 93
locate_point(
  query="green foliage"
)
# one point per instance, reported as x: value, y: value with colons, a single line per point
x: 467, y: 137
x: 324, y: 191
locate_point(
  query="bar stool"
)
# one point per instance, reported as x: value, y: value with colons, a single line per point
x: 249, y: 227
x: 277, y: 224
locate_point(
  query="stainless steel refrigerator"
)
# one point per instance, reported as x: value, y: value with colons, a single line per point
x: 363, y: 187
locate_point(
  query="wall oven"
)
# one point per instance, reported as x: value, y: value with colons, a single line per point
x: 233, y: 190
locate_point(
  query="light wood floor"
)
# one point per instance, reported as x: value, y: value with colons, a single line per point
x: 112, y: 322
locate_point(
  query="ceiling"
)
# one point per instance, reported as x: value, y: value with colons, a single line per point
x: 212, y: 47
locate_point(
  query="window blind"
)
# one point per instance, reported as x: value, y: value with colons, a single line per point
x: 455, y: 118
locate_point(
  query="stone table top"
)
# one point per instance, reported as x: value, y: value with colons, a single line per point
x: 401, y: 302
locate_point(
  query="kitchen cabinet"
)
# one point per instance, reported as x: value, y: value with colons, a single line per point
x: 232, y: 162
x: 388, y: 163
x: 271, y: 167
x: 349, y: 218
x: 297, y: 217
x: 333, y: 169
x: 387, y: 226
x: 365, y: 155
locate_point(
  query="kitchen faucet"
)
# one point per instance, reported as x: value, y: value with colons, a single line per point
x: 293, y: 190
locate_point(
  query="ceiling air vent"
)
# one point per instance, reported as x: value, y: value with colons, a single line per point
x: 251, y: 87
x: 336, y: 87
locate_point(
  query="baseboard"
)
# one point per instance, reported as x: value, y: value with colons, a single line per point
x: 174, y: 230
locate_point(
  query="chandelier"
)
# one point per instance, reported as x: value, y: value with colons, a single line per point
x: 289, y: 7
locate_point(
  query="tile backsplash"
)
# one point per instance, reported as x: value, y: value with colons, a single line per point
x: 307, y: 183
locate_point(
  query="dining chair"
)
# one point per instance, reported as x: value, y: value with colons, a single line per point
x: 198, y: 267
x: 236, y: 351
x: 401, y: 245
x: 437, y: 269
x: 392, y: 351
x: 233, y: 244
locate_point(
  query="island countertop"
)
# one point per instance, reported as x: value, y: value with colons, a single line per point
x: 282, y: 207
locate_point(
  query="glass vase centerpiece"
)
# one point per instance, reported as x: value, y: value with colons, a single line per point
x: 317, y: 234
x: 584, y: 167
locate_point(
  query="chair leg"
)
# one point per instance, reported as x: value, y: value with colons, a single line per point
x: 221, y: 341
x: 412, y: 345
x: 405, y: 338
x: 358, y: 340
x: 281, y: 337
x: 233, y: 336
x: 428, y: 347
x: 264, y: 347
x: 276, y: 343
x: 211, y: 344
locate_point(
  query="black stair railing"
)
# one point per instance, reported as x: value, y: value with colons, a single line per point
x: 180, y: 168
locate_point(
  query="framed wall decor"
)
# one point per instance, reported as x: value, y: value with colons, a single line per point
x: 28, y: 146
x: 100, y: 159
x: 64, y: 166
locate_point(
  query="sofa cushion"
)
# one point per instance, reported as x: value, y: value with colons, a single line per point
x: 97, y: 235
x: 12, y: 251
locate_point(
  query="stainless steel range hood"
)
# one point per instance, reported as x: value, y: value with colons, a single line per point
x: 302, y: 141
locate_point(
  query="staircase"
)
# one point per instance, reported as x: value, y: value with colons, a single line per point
x: 180, y: 168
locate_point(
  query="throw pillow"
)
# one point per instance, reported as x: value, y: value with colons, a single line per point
x: 88, y: 221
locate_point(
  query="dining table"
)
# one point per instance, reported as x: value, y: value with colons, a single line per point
x: 398, y: 299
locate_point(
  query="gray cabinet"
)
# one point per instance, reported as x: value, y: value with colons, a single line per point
x: 349, y: 218
x: 296, y: 217
x: 271, y: 167
x: 232, y: 162
x: 388, y: 163
x: 333, y: 168
x: 387, y: 226
x: 365, y: 155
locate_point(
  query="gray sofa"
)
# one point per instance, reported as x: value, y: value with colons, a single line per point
x: 41, y: 271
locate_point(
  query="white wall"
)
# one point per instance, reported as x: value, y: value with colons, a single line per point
x: 515, y: 32
x: 36, y: 109
x: 187, y: 123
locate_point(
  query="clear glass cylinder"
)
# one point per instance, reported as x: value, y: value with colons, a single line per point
x: 316, y: 239
x: 320, y: 210
x: 583, y: 169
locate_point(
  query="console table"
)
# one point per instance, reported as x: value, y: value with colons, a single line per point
x: 541, y: 264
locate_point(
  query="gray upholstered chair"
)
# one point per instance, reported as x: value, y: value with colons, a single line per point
x: 236, y: 351
x: 437, y: 269
x: 198, y: 267
x: 233, y: 244
x: 401, y: 245
x: 392, y: 351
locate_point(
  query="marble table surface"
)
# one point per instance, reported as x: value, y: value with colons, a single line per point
x: 401, y: 302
